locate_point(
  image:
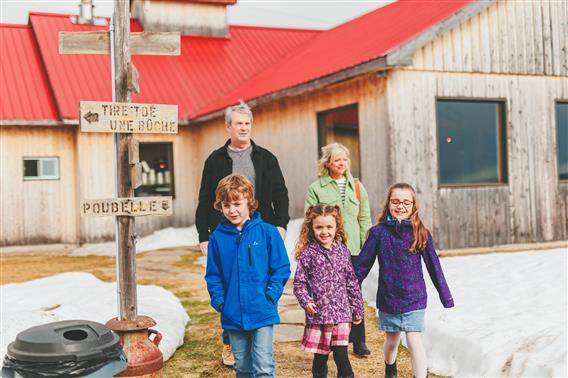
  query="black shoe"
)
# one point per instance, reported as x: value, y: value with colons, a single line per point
x: 361, y: 349
x: 390, y: 370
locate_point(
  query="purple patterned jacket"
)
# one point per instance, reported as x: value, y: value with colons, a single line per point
x: 326, y: 278
x: 401, y: 282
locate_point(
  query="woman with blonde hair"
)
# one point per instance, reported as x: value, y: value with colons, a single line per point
x: 337, y: 186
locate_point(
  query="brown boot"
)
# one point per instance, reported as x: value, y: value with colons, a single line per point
x: 227, y: 356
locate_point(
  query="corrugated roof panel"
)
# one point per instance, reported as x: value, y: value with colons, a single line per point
x: 24, y: 90
x: 365, y: 38
x: 207, y: 68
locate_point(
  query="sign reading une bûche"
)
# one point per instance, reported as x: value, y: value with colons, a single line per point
x: 127, y: 206
x: 121, y: 117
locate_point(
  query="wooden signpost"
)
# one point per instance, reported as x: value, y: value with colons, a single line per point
x: 127, y: 206
x: 124, y: 118
x: 112, y: 117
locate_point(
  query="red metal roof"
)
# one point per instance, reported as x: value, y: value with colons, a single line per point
x: 207, y: 68
x: 211, y: 72
x: 365, y: 38
x: 24, y: 90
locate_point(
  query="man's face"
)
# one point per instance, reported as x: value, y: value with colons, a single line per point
x: 237, y: 212
x: 240, y: 129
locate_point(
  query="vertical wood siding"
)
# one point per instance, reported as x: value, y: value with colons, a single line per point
x: 37, y: 211
x: 524, y: 37
x: 96, y: 180
x: 288, y: 128
x: 526, y: 209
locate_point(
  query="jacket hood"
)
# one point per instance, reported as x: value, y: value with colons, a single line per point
x: 227, y: 227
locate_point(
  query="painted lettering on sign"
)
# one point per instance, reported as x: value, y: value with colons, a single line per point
x: 118, y: 117
x: 127, y: 206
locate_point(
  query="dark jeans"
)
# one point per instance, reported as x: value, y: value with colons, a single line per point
x: 225, y: 336
x: 357, y: 334
x: 319, y: 366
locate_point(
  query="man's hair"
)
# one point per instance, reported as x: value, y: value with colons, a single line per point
x: 241, y: 107
x: 231, y: 188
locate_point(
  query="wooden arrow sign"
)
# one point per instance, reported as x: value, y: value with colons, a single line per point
x: 144, y: 43
x: 127, y: 206
x: 122, y: 117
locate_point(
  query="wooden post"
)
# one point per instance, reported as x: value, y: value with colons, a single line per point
x: 126, y: 259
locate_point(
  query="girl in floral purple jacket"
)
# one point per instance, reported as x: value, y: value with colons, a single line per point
x: 398, y: 242
x: 327, y: 288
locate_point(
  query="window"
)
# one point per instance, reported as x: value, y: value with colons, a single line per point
x: 341, y: 125
x: 562, y: 138
x: 41, y: 168
x: 471, y: 142
x: 157, y: 178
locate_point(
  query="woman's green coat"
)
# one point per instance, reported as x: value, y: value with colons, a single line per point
x: 326, y: 190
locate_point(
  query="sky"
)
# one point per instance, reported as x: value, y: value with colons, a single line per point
x: 310, y: 14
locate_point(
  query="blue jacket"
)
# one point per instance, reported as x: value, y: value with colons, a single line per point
x: 246, y: 273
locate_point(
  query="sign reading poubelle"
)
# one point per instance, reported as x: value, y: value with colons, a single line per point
x: 137, y: 206
x: 122, y: 117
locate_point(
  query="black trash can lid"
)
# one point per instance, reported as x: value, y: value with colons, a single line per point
x: 68, y: 340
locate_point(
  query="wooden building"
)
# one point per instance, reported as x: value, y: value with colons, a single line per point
x: 465, y: 100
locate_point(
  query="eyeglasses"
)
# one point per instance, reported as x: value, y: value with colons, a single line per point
x: 405, y: 203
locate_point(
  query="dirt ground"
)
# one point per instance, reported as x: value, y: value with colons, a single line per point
x: 178, y: 270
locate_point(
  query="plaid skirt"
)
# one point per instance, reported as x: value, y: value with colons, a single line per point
x: 319, y: 338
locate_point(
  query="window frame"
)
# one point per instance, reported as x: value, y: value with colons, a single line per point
x: 556, y: 103
x: 40, y: 175
x: 170, y: 158
x: 502, y: 143
x: 321, y: 132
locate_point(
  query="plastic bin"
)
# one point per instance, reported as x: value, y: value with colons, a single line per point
x: 71, y: 348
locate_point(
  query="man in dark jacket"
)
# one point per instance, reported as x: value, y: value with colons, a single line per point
x: 240, y: 155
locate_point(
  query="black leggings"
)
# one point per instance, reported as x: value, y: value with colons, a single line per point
x: 319, y: 367
x: 357, y: 334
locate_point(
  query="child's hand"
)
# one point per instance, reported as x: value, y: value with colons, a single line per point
x: 311, y: 308
x: 357, y: 321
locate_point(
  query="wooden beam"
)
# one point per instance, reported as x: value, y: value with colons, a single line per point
x: 144, y: 43
x: 133, y: 79
x: 126, y: 259
x: 28, y: 122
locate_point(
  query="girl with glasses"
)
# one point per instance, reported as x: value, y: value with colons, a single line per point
x: 399, y: 241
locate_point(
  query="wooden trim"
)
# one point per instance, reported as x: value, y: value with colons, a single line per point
x: 506, y: 248
x: 220, y: 2
x: 402, y: 56
x: 378, y: 64
x: 17, y: 122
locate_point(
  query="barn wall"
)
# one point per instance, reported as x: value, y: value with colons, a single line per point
x: 523, y: 37
x: 288, y: 128
x: 37, y: 211
x: 96, y: 180
x: 526, y: 209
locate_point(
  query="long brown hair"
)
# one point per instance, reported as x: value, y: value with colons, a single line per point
x: 307, y: 231
x: 419, y: 231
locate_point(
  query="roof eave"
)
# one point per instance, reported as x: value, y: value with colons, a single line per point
x: 30, y: 122
x: 402, y: 55
x: 378, y: 64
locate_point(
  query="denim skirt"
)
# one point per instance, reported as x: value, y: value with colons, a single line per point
x: 412, y: 321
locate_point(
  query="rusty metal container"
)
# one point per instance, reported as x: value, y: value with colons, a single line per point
x: 144, y: 357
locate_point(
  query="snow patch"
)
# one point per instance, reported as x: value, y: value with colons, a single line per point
x: 76, y: 295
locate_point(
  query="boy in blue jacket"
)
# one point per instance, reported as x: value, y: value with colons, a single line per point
x: 247, y: 268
